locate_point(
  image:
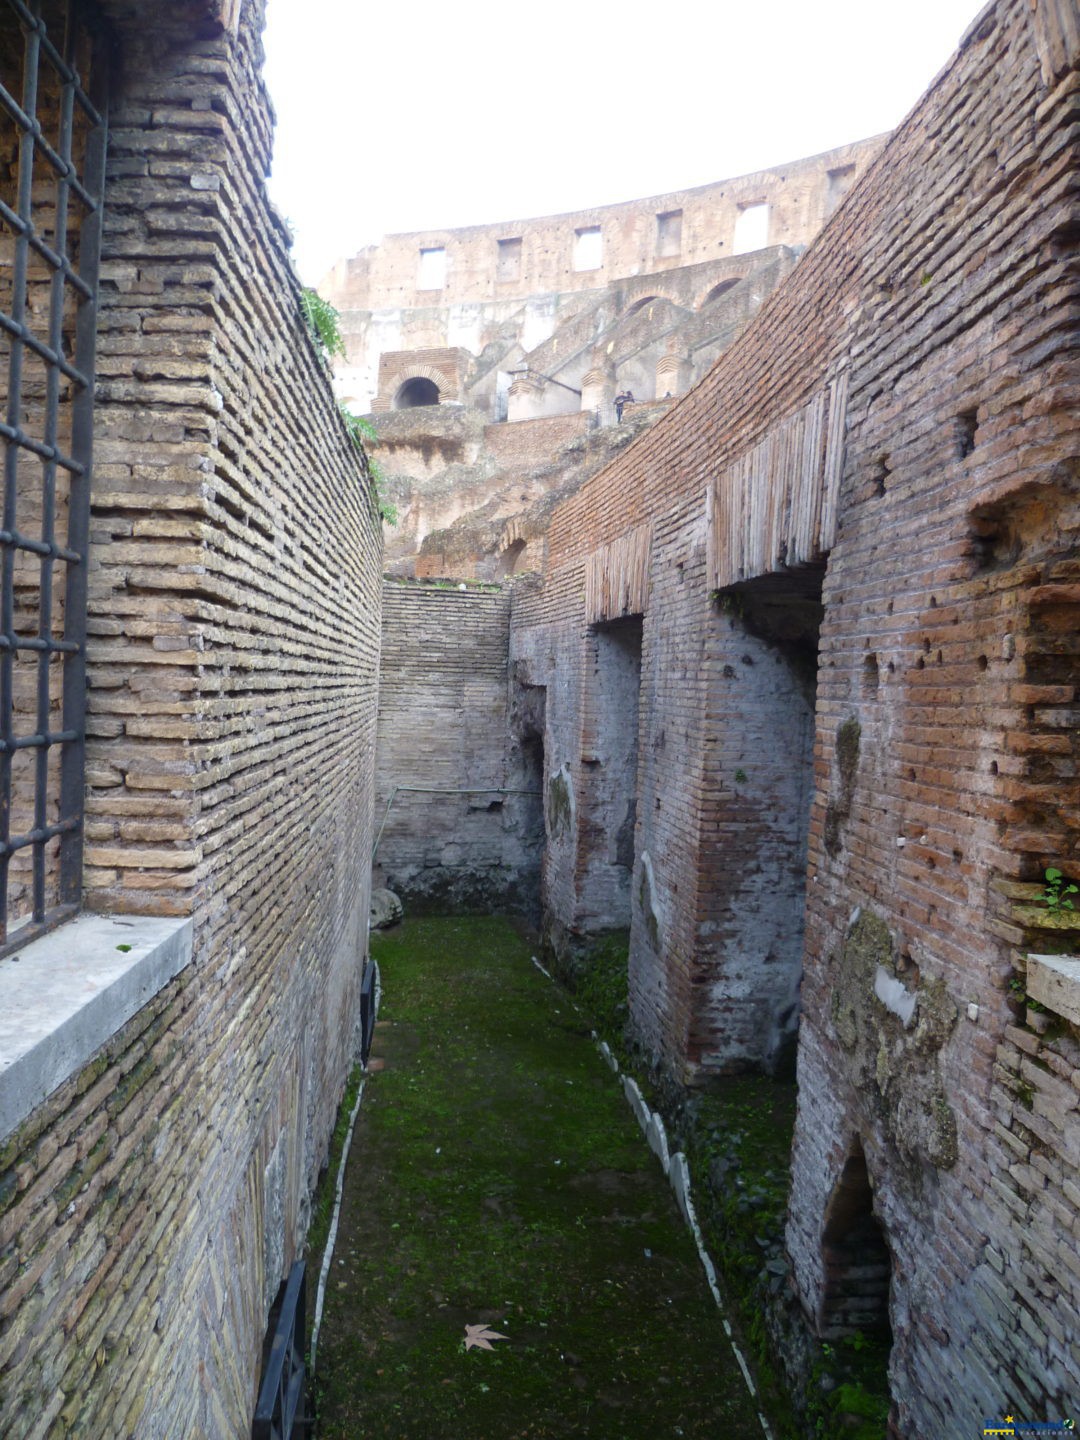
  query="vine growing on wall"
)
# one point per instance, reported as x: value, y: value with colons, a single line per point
x: 322, y: 321
x: 362, y: 434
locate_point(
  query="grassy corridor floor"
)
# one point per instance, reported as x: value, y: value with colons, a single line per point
x: 497, y: 1176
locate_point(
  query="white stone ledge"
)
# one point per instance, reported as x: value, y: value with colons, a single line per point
x: 64, y: 995
x: 1054, y: 981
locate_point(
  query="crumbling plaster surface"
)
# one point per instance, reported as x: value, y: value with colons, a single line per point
x: 756, y: 788
x: 891, y: 1034
x: 608, y: 777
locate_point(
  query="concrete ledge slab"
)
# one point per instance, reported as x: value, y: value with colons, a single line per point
x: 1054, y: 981
x: 64, y: 995
x: 656, y: 1135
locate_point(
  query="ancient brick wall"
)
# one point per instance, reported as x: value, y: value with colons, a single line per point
x: 545, y: 674
x: 943, y: 758
x: 443, y: 464
x: 445, y: 368
x: 153, y: 1203
x: 531, y: 442
x: 960, y: 434
x: 445, y: 724
x: 488, y: 520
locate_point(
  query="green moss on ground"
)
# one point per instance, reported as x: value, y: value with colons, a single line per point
x: 497, y: 1176
x: 323, y: 1208
x: 600, y: 986
x: 737, y: 1138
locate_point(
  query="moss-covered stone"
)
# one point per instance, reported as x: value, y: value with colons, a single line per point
x: 893, y: 1057
x: 499, y: 1177
x: 560, y: 806
x: 848, y: 741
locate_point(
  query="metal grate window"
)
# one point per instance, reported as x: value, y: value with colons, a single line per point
x: 52, y: 162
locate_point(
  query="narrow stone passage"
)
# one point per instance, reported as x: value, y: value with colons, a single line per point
x: 497, y: 1176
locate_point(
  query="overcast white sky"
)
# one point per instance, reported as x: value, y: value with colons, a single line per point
x: 409, y: 114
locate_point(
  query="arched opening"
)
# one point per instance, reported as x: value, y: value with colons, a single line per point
x: 718, y: 290
x: 640, y: 304
x: 508, y: 561
x: 415, y: 392
x: 856, y: 1257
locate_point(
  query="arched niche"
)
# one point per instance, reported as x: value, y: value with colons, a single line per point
x: 510, y: 559
x: 857, y: 1261
x: 417, y: 391
x: 718, y: 290
x: 640, y: 304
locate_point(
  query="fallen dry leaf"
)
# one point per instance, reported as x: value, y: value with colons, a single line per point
x: 480, y: 1335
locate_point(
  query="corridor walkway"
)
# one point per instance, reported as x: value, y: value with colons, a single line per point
x: 497, y: 1177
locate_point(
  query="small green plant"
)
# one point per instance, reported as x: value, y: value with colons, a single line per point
x: 322, y: 322
x: 1018, y: 991
x: 323, y: 325
x: 729, y: 603
x: 1057, y: 890
x: 854, y: 1399
x: 360, y: 430
x: 363, y: 436
x: 740, y: 777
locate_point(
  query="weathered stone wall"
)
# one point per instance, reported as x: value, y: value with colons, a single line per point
x: 501, y: 312
x: 445, y: 724
x: 548, y: 357
x: 153, y: 1203
x: 532, y: 443
x: 799, y: 195
x: 942, y: 295
x: 487, y: 520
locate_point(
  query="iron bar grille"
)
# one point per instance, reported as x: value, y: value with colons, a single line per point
x: 280, y: 1411
x: 52, y: 166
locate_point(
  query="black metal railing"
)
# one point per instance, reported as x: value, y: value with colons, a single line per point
x: 53, y: 136
x: 281, y: 1411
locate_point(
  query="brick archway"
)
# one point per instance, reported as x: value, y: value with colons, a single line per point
x: 855, y: 1251
x: 639, y: 303
x: 426, y: 376
x: 714, y: 291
